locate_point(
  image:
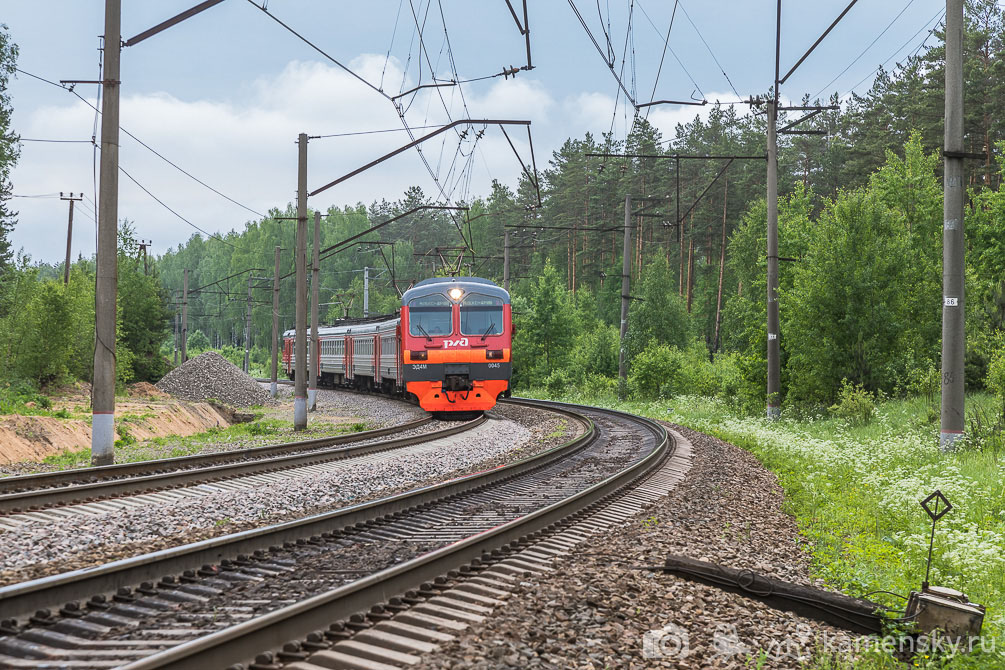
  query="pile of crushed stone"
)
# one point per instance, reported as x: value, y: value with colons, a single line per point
x: 211, y: 376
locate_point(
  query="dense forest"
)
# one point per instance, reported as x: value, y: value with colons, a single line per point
x: 860, y: 233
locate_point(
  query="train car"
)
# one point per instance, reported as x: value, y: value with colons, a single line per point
x: 449, y: 348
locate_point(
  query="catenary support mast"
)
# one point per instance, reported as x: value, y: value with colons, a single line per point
x: 953, y: 334
x: 300, y: 374
x: 312, y: 392
x: 106, y: 280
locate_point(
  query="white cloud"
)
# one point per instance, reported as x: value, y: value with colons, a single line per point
x: 246, y: 148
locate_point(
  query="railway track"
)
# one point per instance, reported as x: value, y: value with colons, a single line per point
x: 221, y: 601
x: 43, y: 497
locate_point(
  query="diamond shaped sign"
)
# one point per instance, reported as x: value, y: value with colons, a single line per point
x: 933, y: 509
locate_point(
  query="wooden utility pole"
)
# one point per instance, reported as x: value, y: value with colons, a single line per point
x: 722, y: 263
x: 106, y: 281
x: 953, y: 334
x: 626, y: 274
x: 184, y: 317
x: 300, y: 374
x: 690, y: 270
x: 247, y: 328
x: 275, y: 328
x: 312, y: 392
x: 69, y: 233
x: 506, y: 260
x: 143, y: 249
x: 176, y: 334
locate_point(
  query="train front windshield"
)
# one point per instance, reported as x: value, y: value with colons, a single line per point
x: 481, y: 315
x: 429, y: 316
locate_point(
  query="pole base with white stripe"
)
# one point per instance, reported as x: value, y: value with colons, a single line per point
x: 299, y: 413
x: 102, y: 439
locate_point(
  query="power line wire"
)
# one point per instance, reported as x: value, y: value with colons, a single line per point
x: 165, y: 206
x: 146, y: 146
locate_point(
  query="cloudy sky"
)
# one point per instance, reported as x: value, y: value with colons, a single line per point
x: 224, y: 94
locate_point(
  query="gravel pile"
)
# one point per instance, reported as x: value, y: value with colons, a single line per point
x: 596, y: 608
x: 89, y: 541
x: 210, y: 375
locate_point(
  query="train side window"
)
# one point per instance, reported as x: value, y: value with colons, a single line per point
x: 481, y: 315
x: 429, y: 316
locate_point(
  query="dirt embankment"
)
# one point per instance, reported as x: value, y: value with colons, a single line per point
x: 147, y: 414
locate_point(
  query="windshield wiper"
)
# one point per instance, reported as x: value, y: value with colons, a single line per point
x: 488, y: 330
x: 423, y: 331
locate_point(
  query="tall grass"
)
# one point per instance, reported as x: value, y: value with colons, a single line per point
x: 855, y: 492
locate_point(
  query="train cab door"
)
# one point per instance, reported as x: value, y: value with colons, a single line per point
x: 348, y: 357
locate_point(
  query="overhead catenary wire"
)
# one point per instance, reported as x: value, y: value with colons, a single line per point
x: 937, y: 19
x: 710, y: 52
x: 865, y: 50
x: 666, y: 44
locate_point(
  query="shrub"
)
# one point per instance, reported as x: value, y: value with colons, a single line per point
x: 995, y: 380
x: 854, y: 404
x: 557, y: 383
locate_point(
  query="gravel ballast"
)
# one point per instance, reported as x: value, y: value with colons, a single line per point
x: 597, y: 608
x: 90, y: 541
x: 210, y: 375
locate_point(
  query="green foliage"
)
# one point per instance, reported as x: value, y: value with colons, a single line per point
x: 10, y: 149
x: 544, y: 328
x: 659, y: 316
x: 854, y: 404
x: 996, y: 370
x: 848, y: 313
x: 47, y: 335
x: 662, y: 371
x: 198, y: 343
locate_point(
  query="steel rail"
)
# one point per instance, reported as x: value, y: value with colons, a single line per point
x: 49, y: 480
x: 241, y: 643
x: 44, y: 498
x: 24, y: 599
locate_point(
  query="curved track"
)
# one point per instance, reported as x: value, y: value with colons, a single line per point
x: 32, y: 493
x: 313, y: 569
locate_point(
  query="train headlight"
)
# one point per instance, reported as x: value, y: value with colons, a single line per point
x: 456, y: 293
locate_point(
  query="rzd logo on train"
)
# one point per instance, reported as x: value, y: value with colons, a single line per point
x: 463, y: 342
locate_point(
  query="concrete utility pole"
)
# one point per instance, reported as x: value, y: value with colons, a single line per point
x: 506, y: 260
x: 366, y: 292
x: 300, y: 374
x: 953, y: 335
x: 106, y: 281
x: 312, y: 392
x: 247, y: 329
x: 184, y: 318
x: 69, y: 233
x: 275, y: 328
x: 774, y: 372
x: 626, y: 275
